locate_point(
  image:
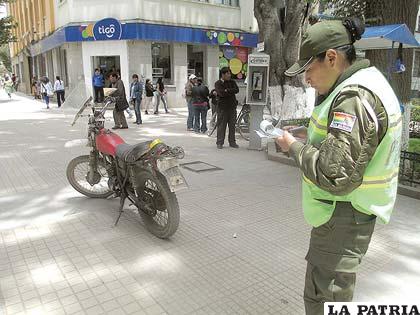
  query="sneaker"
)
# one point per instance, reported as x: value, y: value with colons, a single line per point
x: 234, y: 145
x: 124, y: 127
x: 115, y: 127
x: 220, y: 146
x: 190, y: 129
x: 155, y: 113
x: 146, y: 112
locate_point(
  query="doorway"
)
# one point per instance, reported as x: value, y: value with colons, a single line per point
x: 107, y: 65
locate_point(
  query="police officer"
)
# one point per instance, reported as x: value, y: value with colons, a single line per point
x: 350, y: 159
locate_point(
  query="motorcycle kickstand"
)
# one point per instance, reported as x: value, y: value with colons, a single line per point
x: 121, y: 209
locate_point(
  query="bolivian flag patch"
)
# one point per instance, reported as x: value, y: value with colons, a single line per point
x: 343, y: 121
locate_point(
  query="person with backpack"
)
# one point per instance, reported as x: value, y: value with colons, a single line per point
x: 46, y: 91
x: 161, y: 95
x: 200, y: 104
x: 149, y: 95
x: 59, y: 90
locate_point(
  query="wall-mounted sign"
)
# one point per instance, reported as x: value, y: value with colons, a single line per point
x: 259, y: 60
x: 107, y: 29
x: 260, y: 47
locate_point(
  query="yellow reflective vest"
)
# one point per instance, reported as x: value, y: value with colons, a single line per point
x: 377, y: 193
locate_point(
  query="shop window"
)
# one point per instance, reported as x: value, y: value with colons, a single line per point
x: 161, y: 62
x: 232, y: 3
x: 236, y: 58
x: 195, y: 60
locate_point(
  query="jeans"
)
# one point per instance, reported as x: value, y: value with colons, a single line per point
x: 163, y: 98
x: 46, y: 100
x: 137, y: 110
x: 190, y: 118
x: 99, y: 94
x: 200, y: 113
x: 60, y: 97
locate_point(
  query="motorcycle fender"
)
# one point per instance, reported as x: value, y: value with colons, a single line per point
x: 169, y: 168
x: 77, y: 143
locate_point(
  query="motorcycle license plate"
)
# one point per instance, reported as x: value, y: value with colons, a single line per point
x: 170, y: 169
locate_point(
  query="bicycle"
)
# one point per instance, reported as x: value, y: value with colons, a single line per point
x: 241, y: 125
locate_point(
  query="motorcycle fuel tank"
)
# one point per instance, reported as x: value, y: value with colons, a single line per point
x: 107, y: 142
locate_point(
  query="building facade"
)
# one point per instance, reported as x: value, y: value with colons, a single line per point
x: 167, y: 38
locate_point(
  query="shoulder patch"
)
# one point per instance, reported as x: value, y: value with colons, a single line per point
x: 343, y: 121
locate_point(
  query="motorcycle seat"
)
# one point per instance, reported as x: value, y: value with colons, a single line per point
x: 131, y: 153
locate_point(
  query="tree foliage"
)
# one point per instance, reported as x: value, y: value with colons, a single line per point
x: 7, y: 24
x: 5, y: 57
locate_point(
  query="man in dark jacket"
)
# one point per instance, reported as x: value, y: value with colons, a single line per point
x: 121, y: 104
x: 226, y: 89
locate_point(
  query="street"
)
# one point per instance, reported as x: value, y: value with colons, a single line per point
x: 239, y: 249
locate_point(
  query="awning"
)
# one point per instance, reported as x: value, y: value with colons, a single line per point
x: 381, y: 37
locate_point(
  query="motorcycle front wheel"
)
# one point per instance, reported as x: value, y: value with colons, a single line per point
x: 77, y: 171
x: 154, y: 191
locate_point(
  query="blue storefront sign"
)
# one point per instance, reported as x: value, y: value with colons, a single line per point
x: 107, y: 29
x: 112, y: 29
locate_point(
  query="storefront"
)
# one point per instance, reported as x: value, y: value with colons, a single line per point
x: 152, y: 50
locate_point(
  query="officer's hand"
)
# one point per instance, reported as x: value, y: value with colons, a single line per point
x: 285, y: 141
x: 297, y: 131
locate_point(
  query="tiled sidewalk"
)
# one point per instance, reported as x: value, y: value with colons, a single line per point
x: 239, y: 249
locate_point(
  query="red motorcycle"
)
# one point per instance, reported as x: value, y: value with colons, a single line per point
x: 147, y: 174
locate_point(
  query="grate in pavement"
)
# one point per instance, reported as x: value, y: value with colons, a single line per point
x: 199, y: 166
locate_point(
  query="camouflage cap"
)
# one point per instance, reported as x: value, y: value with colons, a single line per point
x: 319, y: 38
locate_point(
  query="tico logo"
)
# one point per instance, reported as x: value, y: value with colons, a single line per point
x: 107, y: 29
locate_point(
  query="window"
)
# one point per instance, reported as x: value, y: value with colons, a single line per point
x: 236, y: 58
x: 161, y: 62
x: 195, y: 60
x: 232, y: 3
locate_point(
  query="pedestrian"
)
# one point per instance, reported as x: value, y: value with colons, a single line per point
x: 98, y: 83
x: 192, y: 80
x: 59, y: 90
x: 214, y: 99
x: 121, y: 103
x: 8, y: 86
x: 349, y: 162
x: 35, y: 88
x: 200, y: 104
x: 161, y: 95
x: 46, y: 91
x: 149, y: 96
x: 136, y: 93
x: 226, y: 89
x: 14, y: 80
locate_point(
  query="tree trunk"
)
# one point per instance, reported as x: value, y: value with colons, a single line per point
x: 280, y: 30
x: 394, y: 12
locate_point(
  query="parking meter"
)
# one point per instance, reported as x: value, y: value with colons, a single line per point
x: 257, y: 93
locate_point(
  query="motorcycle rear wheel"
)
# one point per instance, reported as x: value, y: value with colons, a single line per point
x: 77, y: 171
x: 155, y: 192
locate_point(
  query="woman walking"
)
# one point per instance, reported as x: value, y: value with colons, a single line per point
x: 149, y: 96
x: 161, y: 95
x: 46, y: 91
x: 59, y: 90
x: 8, y: 86
x: 200, y: 104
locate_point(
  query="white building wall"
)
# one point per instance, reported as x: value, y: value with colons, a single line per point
x: 179, y: 74
x: 140, y: 58
x: 174, y: 12
x: 74, y: 64
x: 211, y: 62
